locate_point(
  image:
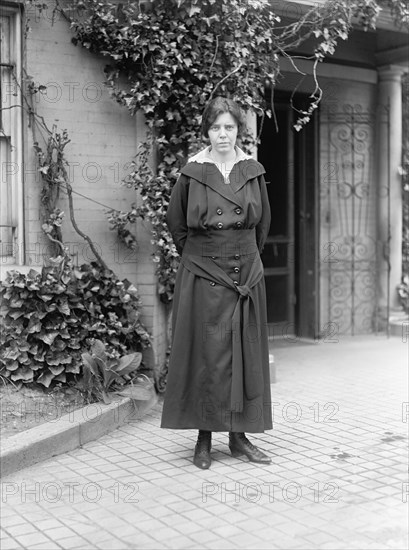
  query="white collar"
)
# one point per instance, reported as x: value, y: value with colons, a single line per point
x: 204, y: 156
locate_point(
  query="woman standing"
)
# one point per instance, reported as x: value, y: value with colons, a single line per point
x: 219, y: 217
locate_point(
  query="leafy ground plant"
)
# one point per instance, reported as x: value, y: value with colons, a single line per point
x: 50, y: 317
x: 105, y: 374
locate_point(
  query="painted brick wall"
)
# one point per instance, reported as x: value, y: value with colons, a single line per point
x: 104, y: 139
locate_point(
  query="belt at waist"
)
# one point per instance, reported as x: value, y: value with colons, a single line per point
x: 221, y: 242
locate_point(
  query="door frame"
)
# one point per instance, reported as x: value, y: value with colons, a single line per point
x: 307, y: 237
x: 303, y: 226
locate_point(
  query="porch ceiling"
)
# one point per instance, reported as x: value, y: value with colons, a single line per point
x: 394, y: 56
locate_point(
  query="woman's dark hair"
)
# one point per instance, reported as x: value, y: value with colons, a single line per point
x: 218, y: 106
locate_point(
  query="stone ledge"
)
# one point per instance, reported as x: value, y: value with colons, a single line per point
x: 69, y: 432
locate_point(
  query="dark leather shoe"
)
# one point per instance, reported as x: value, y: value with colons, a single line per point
x: 239, y: 445
x: 202, y: 457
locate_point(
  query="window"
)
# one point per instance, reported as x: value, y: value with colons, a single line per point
x: 11, y: 143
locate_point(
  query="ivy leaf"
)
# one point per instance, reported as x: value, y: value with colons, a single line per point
x: 64, y: 308
x: 15, y: 314
x: 45, y: 378
x: 73, y: 368
x: 56, y: 370
x: 48, y: 338
x: 23, y: 373
x: 192, y: 10
x: 34, y: 326
x: 15, y: 302
x: 12, y: 365
x: 11, y: 354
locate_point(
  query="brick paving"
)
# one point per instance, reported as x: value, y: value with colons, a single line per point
x: 339, y: 477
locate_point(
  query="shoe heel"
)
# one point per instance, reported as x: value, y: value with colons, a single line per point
x: 235, y: 452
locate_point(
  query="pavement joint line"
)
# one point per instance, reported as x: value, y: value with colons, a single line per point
x: 351, y: 523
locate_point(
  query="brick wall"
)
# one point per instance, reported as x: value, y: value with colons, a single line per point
x: 104, y: 139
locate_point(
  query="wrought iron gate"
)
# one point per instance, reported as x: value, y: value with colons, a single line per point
x: 350, y: 260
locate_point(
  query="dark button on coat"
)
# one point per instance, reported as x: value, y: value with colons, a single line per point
x: 204, y: 363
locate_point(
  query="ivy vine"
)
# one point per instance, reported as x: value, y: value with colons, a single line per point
x: 167, y: 58
x: 51, y: 316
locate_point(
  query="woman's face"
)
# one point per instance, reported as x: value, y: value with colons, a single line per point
x: 223, y: 134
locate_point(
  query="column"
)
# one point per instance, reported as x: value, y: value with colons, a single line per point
x: 389, y: 159
x: 251, y: 121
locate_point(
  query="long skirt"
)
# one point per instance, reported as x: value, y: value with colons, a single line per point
x: 211, y: 319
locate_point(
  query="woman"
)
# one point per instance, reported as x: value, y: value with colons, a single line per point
x: 219, y: 216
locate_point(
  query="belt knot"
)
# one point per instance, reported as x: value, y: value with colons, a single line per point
x: 243, y: 290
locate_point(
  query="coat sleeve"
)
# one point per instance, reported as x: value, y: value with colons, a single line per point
x: 177, y: 212
x: 264, y: 224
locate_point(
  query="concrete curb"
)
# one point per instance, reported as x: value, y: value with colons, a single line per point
x: 69, y: 432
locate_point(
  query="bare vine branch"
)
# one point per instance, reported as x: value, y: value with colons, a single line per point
x: 81, y: 233
x: 50, y: 196
x: 225, y: 78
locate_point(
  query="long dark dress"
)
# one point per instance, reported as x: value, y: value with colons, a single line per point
x: 218, y: 377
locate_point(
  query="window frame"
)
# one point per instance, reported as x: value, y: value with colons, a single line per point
x: 14, y: 104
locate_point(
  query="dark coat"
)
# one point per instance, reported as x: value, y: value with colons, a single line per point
x: 218, y: 377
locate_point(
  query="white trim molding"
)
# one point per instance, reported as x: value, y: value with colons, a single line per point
x: 12, y: 163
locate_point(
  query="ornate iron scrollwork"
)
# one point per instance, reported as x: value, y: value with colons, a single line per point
x: 349, y: 195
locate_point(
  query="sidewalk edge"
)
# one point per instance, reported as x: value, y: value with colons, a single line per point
x: 69, y: 432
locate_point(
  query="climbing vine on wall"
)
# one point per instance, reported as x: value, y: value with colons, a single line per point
x: 49, y: 317
x: 167, y: 58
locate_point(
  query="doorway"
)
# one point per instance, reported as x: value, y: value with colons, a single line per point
x: 290, y: 254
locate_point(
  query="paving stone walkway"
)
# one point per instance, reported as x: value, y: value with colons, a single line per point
x: 339, y: 477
